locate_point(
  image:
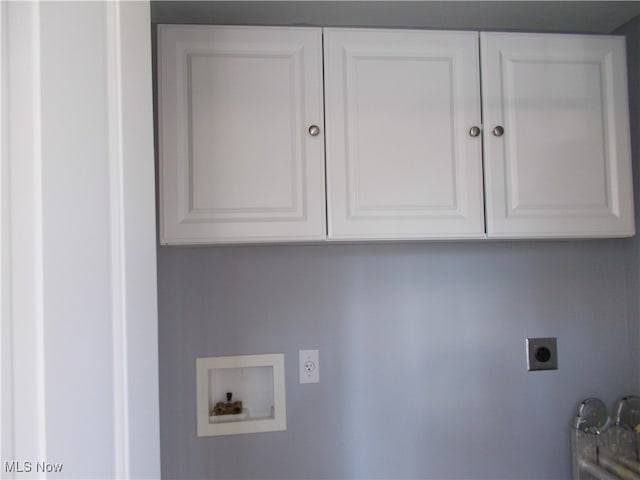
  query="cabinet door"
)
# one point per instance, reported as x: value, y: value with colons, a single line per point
x: 400, y: 160
x: 237, y: 163
x: 562, y: 166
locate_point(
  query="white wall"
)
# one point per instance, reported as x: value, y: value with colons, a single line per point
x: 79, y: 322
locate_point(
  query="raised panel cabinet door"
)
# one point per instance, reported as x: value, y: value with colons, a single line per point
x: 237, y: 161
x: 401, y: 162
x: 556, y: 146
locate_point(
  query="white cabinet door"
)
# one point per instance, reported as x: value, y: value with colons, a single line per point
x: 237, y: 163
x: 562, y: 166
x: 400, y: 160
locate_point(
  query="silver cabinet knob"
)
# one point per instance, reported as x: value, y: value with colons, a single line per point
x: 314, y: 130
x: 474, y: 131
x: 498, y: 131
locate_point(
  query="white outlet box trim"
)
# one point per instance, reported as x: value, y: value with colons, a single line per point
x: 203, y: 386
x: 309, y: 366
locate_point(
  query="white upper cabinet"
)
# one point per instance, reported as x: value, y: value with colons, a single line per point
x: 415, y: 147
x: 237, y: 163
x: 562, y: 167
x: 400, y: 160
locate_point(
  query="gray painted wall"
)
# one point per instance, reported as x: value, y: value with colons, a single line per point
x: 595, y: 16
x: 632, y: 32
x: 423, y: 371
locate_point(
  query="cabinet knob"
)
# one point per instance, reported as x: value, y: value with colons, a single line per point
x: 314, y: 130
x: 474, y: 131
x: 498, y: 131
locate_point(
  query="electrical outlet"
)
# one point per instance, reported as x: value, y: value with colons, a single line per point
x: 309, y: 366
x: 542, y: 353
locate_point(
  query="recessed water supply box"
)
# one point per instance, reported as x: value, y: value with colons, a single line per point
x: 240, y: 394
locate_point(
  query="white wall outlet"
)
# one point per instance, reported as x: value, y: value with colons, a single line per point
x: 309, y: 366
